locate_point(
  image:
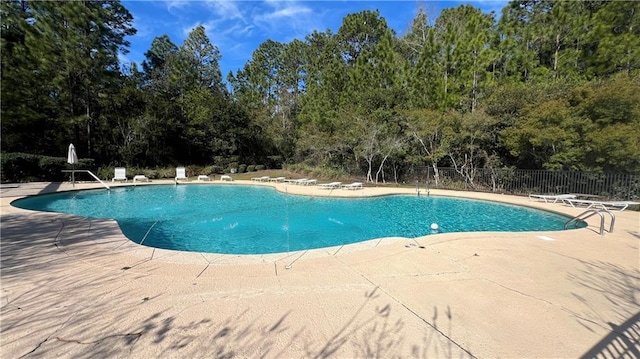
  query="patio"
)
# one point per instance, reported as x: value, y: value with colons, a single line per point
x: 73, y: 287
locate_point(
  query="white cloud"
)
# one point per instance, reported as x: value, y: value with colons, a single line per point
x: 239, y: 30
x: 292, y: 11
x: 176, y: 4
x: 226, y: 9
x: 208, y: 27
x: 225, y: 35
x: 286, y: 20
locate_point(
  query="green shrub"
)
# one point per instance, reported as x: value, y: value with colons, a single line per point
x: 165, y: 172
x: 16, y: 167
x: 25, y: 167
x: 106, y: 173
x: 275, y: 162
x: 317, y: 172
x: 251, y: 168
x: 151, y: 173
x: 51, y: 167
x: 192, y: 171
x: 208, y: 170
x: 260, y: 167
x: 242, y: 168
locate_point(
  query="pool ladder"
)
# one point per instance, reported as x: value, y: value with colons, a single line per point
x: 426, y: 185
x: 589, y: 213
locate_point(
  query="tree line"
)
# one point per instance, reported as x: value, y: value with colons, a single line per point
x: 547, y: 85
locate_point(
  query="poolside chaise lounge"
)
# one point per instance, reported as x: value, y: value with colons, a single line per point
x: 310, y: 182
x: 226, y: 178
x: 354, y: 185
x: 120, y: 174
x: 140, y: 178
x: 620, y: 205
x: 277, y: 179
x: 551, y: 197
x: 330, y: 185
x: 181, y: 174
x: 261, y: 179
x: 204, y: 178
x: 296, y: 181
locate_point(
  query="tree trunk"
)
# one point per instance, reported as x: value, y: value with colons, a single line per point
x: 88, y: 131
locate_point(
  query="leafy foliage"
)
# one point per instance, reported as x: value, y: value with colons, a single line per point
x: 551, y: 84
x: 20, y: 167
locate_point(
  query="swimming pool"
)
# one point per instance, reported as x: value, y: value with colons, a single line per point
x: 258, y: 220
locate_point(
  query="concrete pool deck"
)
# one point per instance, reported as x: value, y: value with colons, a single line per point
x: 74, y: 287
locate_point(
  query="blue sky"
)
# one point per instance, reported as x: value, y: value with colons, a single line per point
x: 238, y: 27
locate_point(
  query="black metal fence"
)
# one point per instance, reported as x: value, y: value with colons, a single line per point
x: 610, y: 186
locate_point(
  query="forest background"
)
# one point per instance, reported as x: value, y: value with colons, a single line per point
x: 549, y: 85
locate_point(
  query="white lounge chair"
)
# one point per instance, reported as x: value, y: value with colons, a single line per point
x: 140, y: 178
x: 226, y: 178
x: 353, y: 186
x: 620, y: 205
x: 330, y: 185
x: 310, y: 182
x: 551, y: 198
x: 181, y: 174
x: 203, y: 178
x: 277, y: 179
x: 297, y: 181
x: 261, y: 179
x: 120, y: 174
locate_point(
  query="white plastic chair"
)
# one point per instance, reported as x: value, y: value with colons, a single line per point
x: 181, y: 174
x: 120, y: 174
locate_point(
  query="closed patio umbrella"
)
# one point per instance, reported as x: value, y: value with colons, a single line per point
x: 72, y: 158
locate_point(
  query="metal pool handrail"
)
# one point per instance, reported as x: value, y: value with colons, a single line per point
x: 90, y: 173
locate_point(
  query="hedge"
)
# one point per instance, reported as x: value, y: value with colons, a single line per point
x: 25, y: 167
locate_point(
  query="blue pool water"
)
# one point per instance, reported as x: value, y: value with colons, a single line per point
x: 255, y: 220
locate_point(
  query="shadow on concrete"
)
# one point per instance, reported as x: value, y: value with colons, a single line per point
x: 29, y: 189
x: 369, y: 333
x: 622, y: 342
x: 49, y: 311
x: 614, y: 284
x: 27, y: 238
x: 373, y: 329
x: 373, y: 335
x: 635, y: 234
x: 50, y: 187
x: 620, y: 288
